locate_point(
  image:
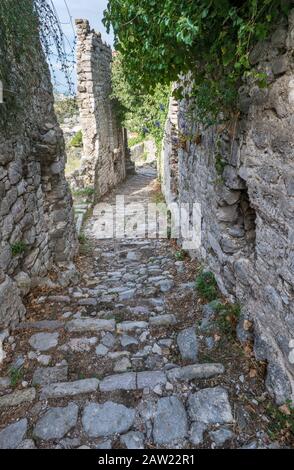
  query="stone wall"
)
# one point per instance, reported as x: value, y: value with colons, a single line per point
x: 243, y: 176
x: 105, y: 156
x: 144, y: 153
x: 169, y: 168
x: 36, y: 215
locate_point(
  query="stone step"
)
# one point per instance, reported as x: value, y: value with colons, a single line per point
x: 44, y: 341
x: 151, y: 379
x: 210, y: 406
x: 49, y: 375
x: 101, y: 420
x: 4, y: 383
x: 41, y: 325
x: 195, y: 371
x: 18, y: 397
x: 69, y: 389
x: 131, y: 325
x: 86, y: 324
x: 162, y: 320
x: 12, y: 435
x: 56, y: 422
x: 62, y: 299
x: 125, y: 381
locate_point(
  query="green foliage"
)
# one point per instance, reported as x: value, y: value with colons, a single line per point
x: 77, y: 140
x: 282, y: 420
x: 135, y: 140
x: 158, y: 198
x: 85, y: 245
x: 140, y: 111
x: 206, y: 286
x: 16, y: 376
x: 228, y: 316
x: 65, y: 108
x: 180, y: 255
x: 82, y: 239
x: 212, y: 39
x: 19, y: 26
x: 17, y: 248
x: 219, y: 164
x: 84, y: 192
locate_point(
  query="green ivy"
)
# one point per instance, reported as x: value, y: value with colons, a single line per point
x: 212, y: 39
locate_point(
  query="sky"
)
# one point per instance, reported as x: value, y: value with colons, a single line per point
x: 86, y: 9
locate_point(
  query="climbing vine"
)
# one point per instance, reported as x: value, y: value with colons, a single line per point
x: 212, y: 39
x: 22, y: 25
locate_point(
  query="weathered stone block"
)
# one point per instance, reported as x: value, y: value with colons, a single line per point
x: 107, y: 419
x: 12, y: 309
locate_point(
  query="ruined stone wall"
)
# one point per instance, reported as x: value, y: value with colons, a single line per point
x: 105, y: 151
x: 243, y: 176
x: 36, y: 215
x: 168, y: 170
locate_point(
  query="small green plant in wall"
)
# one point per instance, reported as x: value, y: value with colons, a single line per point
x: 87, y: 192
x: 77, y: 140
x: 17, y: 248
x: 180, y: 255
x: 228, y: 317
x: 85, y: 245
x: 16, y: 376
x: 219, y: 164
x: 82, y: 239
x: 206, y: 286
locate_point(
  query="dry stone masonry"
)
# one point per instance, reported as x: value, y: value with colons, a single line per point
x: 106, y: 156
x: 120, y: 360
x: 243, y: 176
x: 169, y: 168
x: 36, y: 215
x: 131, y: 356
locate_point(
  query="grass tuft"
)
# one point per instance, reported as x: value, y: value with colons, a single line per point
x: 16, y: 376
x: 206, y: 286
x: 77, y: 140
x: 18, y: 248
x: 84, y: 192
x: 180, y: 255
x: 228, y: 318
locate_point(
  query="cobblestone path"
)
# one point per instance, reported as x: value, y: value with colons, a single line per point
x: 130, y: 356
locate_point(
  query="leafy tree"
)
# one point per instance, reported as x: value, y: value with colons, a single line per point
x: 140, y: 112
x: 159, y: 41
